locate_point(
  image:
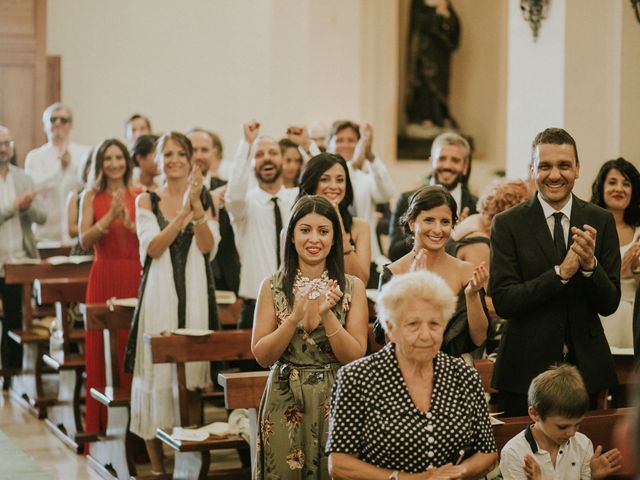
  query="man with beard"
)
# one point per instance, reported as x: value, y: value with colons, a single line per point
x: 55, y: 169
x: 450, y: 158
x: 257, y: 213
x: 226, y: 264
x: 555, y: 265
x: 19, y: 208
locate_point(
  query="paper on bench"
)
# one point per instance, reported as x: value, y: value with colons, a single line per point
x: 192, y: 332
x: 494, y: 420
x: 123, y: 302
x: 225, y: 297
x: 621, y: 351
x: 73, y: 259
x: 190, y: 434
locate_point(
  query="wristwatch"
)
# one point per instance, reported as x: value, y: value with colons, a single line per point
x: 394, y: 475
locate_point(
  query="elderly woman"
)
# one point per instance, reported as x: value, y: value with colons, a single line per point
x: 410, y: 410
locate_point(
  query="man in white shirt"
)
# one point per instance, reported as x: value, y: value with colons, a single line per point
x: 370, y: 178
x: 19, y: 207
x: 257, y: 213
x: 450, y: 162
x: 55, y: 170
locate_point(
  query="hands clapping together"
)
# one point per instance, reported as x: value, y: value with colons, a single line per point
x: 312, y: 304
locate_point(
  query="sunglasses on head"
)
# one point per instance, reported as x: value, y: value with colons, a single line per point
x: 63, y: 120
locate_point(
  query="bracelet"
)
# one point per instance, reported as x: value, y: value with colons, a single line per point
x: 199, y: 221
x: 100, y: 228
x: 329, y: 335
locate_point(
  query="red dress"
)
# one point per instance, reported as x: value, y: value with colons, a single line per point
x: 115, y: 273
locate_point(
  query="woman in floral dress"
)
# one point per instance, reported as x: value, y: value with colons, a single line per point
x: 310, y: 319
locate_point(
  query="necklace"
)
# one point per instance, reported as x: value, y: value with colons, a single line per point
x: 317, y: 285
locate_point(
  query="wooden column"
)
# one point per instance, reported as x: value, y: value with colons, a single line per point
x: 23, y: 71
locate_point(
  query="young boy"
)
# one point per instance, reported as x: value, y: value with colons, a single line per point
x: 552, y: 447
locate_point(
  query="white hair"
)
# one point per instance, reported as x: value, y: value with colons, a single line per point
x: 420, y: 285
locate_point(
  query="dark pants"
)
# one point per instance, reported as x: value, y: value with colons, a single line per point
x: 12, y: 307
x: 246, y: 314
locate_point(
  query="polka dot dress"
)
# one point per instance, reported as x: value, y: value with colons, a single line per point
x: 374, y: 418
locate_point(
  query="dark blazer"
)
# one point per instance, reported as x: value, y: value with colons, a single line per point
x: 226, y: 264
x: 399, y: 244
x: 542, y: 312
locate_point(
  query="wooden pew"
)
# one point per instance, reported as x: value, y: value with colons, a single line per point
x: 111, y: 452
x: 63, y: 416
x: 245, y: 390
x: 192, y: 459
x: 53, y: 249
x: 26, y: 386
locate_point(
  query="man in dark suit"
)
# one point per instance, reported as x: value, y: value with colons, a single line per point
x: 549, y: 293
x: 226, y: 264
x: 450, y: 160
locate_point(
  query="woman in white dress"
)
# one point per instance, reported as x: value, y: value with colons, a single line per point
x: 617, y: 188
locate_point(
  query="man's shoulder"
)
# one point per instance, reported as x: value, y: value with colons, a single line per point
x: 520, y: 211
x: 40, y: 151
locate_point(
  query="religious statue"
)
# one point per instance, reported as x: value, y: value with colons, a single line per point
x: 434, y: 32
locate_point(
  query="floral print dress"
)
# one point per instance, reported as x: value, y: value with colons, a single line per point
x: 294, y: 411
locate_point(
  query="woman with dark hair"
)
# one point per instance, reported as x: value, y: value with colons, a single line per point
x: 177, y: 235
x: 107, y: 225
x: 310, y: 318
x: 145, y: 172
x: 291, y: 163
x: 327, y: 175
x: 429, y: 219
x: 617, y: 188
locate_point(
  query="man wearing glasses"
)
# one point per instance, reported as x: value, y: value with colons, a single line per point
x: 55, y: 168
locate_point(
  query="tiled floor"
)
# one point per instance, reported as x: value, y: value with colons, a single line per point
x: 32, y: 436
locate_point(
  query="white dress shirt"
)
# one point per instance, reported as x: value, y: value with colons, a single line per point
x: 53, y: 184
x: 548, y: 212
x: 252, y: 217
x: 371, y: 184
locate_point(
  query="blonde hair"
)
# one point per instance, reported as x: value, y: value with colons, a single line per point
x: 559, y: 391
x: 501, y: 195
x: 420, y: 285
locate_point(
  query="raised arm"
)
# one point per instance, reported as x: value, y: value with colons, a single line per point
x: 238, y: 186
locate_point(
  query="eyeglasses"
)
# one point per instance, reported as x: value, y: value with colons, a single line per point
x: 63, y: 120
x: 8, y: 143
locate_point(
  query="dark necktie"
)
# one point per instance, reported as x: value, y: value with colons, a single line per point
x: 558, y: 236
x: 278, y: 217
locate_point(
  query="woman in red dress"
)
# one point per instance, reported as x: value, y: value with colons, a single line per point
x: 107, y: 223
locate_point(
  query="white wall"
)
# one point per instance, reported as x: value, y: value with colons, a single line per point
x: 535, y: 83
x: 207, y: 63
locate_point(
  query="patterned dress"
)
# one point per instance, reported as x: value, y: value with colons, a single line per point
x: 294, y: 412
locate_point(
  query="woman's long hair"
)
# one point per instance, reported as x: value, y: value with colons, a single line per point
x: 628, y: 171
x: 310, y: 178
x: 334, y: 262
x: 99, y: 178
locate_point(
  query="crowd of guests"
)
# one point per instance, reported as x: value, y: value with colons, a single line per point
x: 289, y: 225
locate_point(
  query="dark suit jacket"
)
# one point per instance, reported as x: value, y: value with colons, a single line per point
x: 399, y: 244
x: 542, y: 312
x: 226, y: 264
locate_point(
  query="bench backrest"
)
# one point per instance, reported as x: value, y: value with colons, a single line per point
x: 216, y: 347
x: 101, y: 316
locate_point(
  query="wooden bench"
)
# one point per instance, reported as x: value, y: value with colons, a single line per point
x: 111, y: 454
x: 26, y: 386
x: 192, y: 459
x: 245, y: 390
x: 63, y: 416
